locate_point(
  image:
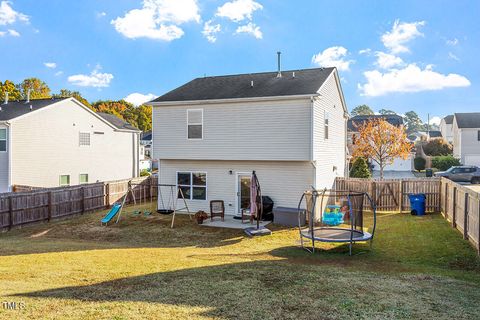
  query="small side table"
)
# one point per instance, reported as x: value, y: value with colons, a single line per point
x: 246, y: 214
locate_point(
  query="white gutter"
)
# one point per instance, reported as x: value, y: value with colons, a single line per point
x: 233, y: 100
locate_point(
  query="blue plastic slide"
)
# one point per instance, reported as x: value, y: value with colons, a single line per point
x: 112, y: 213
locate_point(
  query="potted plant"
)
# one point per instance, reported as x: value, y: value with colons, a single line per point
x: 200, y: 216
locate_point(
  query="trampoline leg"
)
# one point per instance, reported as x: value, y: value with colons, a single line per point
x: 350, y: 249
x: 173, y: 220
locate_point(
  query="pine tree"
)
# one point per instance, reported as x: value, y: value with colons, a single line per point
x: 360, y: 169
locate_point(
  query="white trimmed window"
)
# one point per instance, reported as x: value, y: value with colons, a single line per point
x: 3, y: 140
x: 326, y: 125
x: 193, y: 185
x: 83, y: 178
x: 65, y: 180
x: 195, y: 124
x: 84, y: 139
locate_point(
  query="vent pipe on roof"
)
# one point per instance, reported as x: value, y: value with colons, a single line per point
x: 28, y: 96
x: 279, y: 74
x: 251, y: 84
x: 6, y: 97
x: 293, y: 74
x: 31, y: 107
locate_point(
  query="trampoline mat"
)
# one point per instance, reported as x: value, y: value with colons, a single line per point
x: 335, y: 235
x: 165, y: 211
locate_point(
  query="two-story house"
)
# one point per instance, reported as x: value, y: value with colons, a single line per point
x: 466, y: 138
x: 446, y: 128
x: 54, y: 142
x: 290, y: 127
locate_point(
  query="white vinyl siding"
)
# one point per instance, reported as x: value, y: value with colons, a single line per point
x: 283, y: 181
x: 266, y: 130
x: 195, y: 124
x: 329, y: 154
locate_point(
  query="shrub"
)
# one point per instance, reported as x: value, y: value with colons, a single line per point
x: 360, y: 169
x: 443, y: 163
x: 144, y: 173
x: 419, y: 163
x: 437, y: 147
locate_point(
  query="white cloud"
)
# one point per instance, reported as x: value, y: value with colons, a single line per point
x: 401, y: 34
x: 58, y: 73
x: 452, y: 42
x: 333, y: 57
x: 9, y: 16
x: 409, y: 79
x: 101, y: 14
x: 13, y: 33
x: 94, y: 79
x: 51, y: 65
x: 435, y: 120
x: 365, y: 51
x: 210, y: 31
x: 452, y: 56
x: 250, y: 28
x: 138, y: 99
x: 238, y: 10
x: 386, y: 60
x: 157, y: 19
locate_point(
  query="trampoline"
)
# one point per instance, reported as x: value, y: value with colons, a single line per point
x: 334, y: 216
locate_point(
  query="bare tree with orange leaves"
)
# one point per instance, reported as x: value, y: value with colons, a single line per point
x: 381, y: 142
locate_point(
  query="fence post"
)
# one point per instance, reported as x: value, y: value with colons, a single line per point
x: 10, y: 213
x: 49, y: 217
x: 465, y: 217
x: 454, y: 212
x: 83, y: 199
x: 478, y: 219
x: 445, y: 197
x: 374, y: 193
x: 400, y: 196
x: 107, y: 195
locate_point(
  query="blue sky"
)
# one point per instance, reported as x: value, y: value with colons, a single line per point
x: 400, y: 55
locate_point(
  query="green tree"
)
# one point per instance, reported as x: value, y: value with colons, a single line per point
x: 65, y: 93
x: 360, y: 169
x: 38, y: 88
x: 386, y: 112
x: 140, y: 117
x: 13, y: 92
x: 362, y: 110
x: 413, y: 122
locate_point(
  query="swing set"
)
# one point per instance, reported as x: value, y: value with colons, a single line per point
x: 166, y: 204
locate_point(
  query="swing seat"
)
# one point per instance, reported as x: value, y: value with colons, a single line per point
x: 165, y: 211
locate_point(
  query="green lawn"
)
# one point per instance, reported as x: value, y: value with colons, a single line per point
x: 419, y: 268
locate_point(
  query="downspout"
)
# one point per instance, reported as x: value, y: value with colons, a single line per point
x: 138, y: 154
x: 312, y: 142
x: 133, y: 155
x: 9, y: 150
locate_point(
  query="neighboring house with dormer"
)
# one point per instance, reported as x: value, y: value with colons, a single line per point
x: 211, y: 133
x: 54, y: 142
x: 446, y: 128
x: 466, y: 138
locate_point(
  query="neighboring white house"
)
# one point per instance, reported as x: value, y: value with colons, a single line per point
x: 446, y: 128
x: 53, y: 142
x: 290, y: 127
x: 466, y: 138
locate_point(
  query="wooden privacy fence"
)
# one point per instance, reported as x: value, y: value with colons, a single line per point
x: 461, y: 207
x: 34, y: 204
x: 392, y: 194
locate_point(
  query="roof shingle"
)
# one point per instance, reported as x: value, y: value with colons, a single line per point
x: 357, y: 121
x: 265, y: 84
x: 468, y: 120
x: 14, y: 109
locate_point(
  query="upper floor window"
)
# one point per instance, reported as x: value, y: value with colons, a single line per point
x: 84, y: 139
x: 326, y: 125
x: 195, y: 124
x: 65, y: 180
x: 83, y: 178
x: 3, y: 140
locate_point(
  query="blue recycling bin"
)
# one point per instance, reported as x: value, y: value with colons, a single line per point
x: 417, y: 204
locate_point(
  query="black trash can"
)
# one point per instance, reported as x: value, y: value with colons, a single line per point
x: 428, y: 173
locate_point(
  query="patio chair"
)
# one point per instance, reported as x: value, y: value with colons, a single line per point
x: 217, y: 209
